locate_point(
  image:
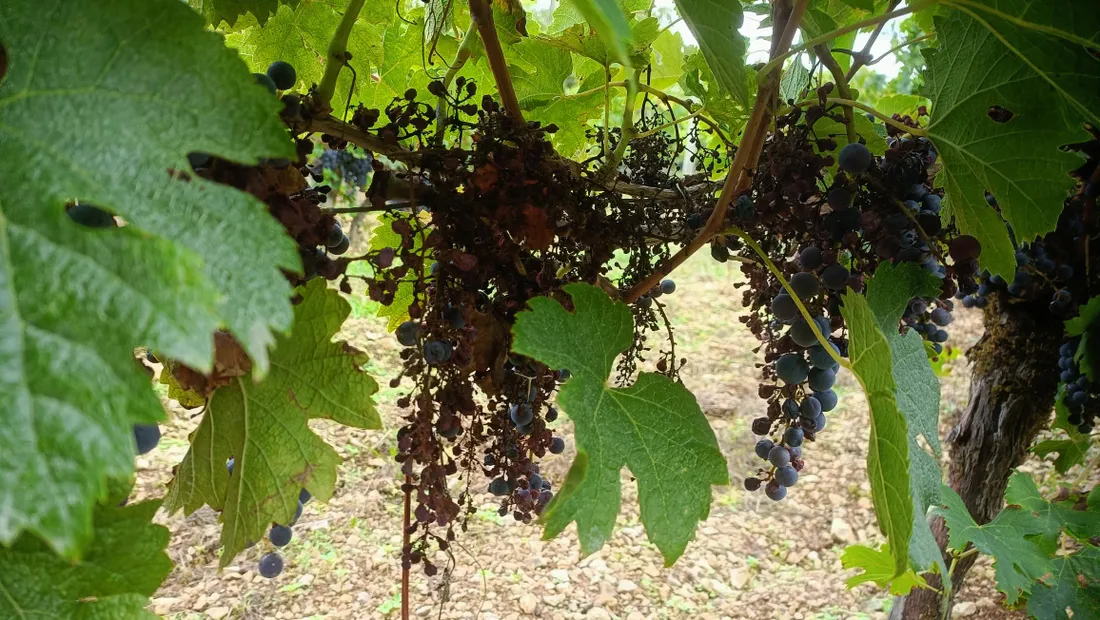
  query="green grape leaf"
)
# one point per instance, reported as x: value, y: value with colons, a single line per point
x: 1087, y: 326
x: 383, y: 236
x: 606, y: 17
x: 1073, y: 584
x: 698, y: 81
x: 1031, y: 59
x: 544, y: 67
x: 1017, y: 560
x: 668, y: 61
x: 122, y: 566
x: 715, y: 24
x: 654, y: 427
x: 917, y: 395
x: 264, y: 427
x: 1057, y: 516
x: 888, y: 454
x: 106, y: 126
x: 863, y: 5
x: 878, y: 567
x: 1072, y: 449
x: 229, y: 11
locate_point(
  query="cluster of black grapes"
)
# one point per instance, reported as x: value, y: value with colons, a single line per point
x: 349, y: 167
x: 869, y: 214
x: 1036, y: 270
x: 271, y: 563
x: 1078, y: 394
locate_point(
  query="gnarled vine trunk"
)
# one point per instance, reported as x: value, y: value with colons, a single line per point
x: 1012, y: 391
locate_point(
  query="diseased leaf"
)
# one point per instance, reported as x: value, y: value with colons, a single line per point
x: 1030, y: 63
x: 715, y: 25
x: 1074, y: 583
x: 653, y: 427
x: 123, y: 565
x: 878, y: 567
x: 264, y: 427
x: 107, y: 126
x: 1017, y: 561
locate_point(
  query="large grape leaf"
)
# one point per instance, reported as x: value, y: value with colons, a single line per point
x: 1017, y: 560
x: 1074, y: 583
x: 106, y: 125
x: 123, y: 565
x: 1033, y: 60
x: 1057, y: 516
x: 715, y: 24
x: 890, y: 370
x: 606, y: 17
x: 918, y: 395
x: 229, y: 11
x: 654, y: 427
x: 264, y: 427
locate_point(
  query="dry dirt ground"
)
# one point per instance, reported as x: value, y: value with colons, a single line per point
x: 752, y: 558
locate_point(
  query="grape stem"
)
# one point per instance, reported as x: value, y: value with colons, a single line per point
x: 829, y: 36
x: 841, y: 81
x: 482, y: 15
x: 748, y: 154
x: 461, y: 56
x: 336, y: 57
x: 916, y: 131
x: 733, y: 230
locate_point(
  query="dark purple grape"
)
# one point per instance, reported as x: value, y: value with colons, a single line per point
x: 810, y: 258
x: 805, y: 285
x: 810, y: 407
x: 499, y: 487
x: 752, y: 484
x: 280, y: 535
x: 779, y: 456
x: 557, y: 445
x: 854, y: 158
x: 793, y: 436
x: 763, y: 447
x: 775, y: 491
x: 784, y: 308
x: 792, y: 369
x: 786, y: 476
x: 146, y: 436
x: 407, y: 333
x: 282, y: 74
x: 271, y: 565
x: 827, y: 400
x: 835, y: 277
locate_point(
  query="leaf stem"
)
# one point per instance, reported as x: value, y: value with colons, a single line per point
x: 748, y: 155
x: 336, y: 57
x: 482, y: 15
x: 829, y: 36
x: 790, y: 291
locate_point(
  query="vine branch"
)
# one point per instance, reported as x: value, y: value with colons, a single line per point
x: 337, y: 55
x: 482, y: 15
x: 916, y: 131
x: 829, y: 36
x: 626, y: 131
x: 748, y: 154
x: 864, y: 57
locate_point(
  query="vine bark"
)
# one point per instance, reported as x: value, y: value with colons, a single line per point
x: 1012, y: 391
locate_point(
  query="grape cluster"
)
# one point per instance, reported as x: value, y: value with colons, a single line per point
x: 348, y: 166
x: 832, y: 230
x: 1079, y: 396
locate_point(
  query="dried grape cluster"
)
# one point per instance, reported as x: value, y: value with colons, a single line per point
x: 482, y: 221
x: 827, y: 230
